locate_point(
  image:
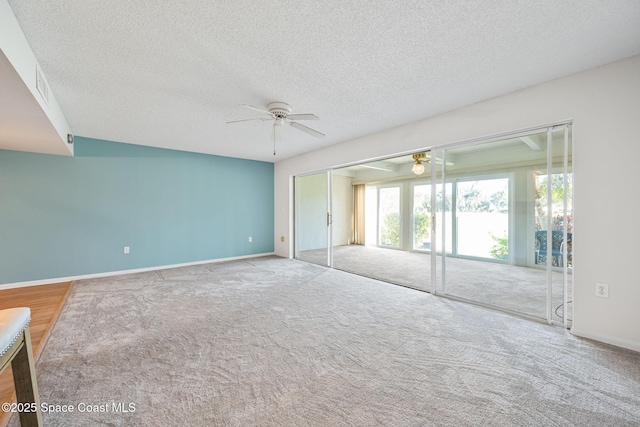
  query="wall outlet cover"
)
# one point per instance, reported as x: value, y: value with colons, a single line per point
x: 602, y: 290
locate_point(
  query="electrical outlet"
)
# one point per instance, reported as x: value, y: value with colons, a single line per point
x: 126, y: 249
x: 250, y: 239
x: 602, y: 290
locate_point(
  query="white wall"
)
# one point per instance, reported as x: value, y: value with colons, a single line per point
x: 604, y: 104
x: 312, y: 212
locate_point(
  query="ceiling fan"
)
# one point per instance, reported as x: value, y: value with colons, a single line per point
x: 280, y: 112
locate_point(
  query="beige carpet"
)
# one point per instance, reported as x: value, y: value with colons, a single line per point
x: 509, y: 287
x: 275, y: 342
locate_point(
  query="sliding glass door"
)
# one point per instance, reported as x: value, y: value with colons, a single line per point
x: 511, y: 228
x: 488, y: 222
x: 557, y: 242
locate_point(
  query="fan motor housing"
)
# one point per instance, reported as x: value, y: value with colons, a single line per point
x: 279, y: 109
x: 419, y: 157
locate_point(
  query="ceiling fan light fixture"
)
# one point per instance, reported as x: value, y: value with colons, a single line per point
x: 418, y: 167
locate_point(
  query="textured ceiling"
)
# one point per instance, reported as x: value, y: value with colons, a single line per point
x: 172, y: 73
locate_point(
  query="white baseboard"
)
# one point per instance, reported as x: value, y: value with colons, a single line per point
x: 121, y: 272
x: 631, y: 345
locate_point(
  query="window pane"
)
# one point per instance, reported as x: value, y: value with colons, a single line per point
x: 483, y: 218
x: 389, y: 217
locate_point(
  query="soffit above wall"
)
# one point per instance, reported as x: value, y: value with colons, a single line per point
x: 24, y: 126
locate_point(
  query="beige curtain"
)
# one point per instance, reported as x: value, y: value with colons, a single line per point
x: 357, y: 223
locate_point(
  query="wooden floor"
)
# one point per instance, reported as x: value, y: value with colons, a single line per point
x: 45, y: 302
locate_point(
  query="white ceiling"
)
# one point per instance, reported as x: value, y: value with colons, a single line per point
x: 171, y: 74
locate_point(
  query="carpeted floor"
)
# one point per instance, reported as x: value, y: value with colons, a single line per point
x: 510, y: 287
x: 276, y: 342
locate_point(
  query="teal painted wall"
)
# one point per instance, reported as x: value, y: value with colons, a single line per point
x: 69, y: 216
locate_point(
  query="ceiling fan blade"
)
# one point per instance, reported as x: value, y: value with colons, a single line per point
x: 277, y: 132
x: 248, y: 120
x: 303, y: 117
x: 262, y: 110
x: 439, y: 161
x: 306, y: 129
